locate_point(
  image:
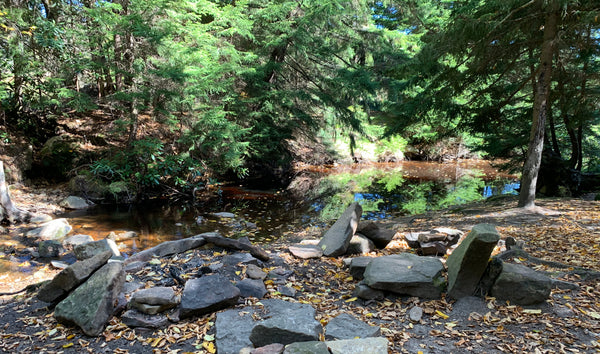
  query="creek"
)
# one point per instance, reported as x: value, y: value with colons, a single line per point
x: 384, y: 189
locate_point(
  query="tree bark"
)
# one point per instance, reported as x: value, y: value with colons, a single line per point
x: 540, y: 109
x: 8, y: 211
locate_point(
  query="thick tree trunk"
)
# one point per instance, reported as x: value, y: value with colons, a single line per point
x: 540, y: 109
x: 8, y: 211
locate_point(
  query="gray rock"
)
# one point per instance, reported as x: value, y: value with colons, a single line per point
x: 73, y: 202
x: 122, y: 236
x: 285, y: 323
x: 134, y: 267
x: 306, y: 348
x: 71, y: 277
x: 40, y: 219
x: 130, y: 287
x: 468, y: 261
x: 275, y: 348
x: 170, y: 247
x: 90, y: 249
x: 359, y: 346
x: 450, y: 232
x: 75, y: 240
x: 254, y: 272
x: 406, y: 274
x: 91, y: 305
x: 521, y: 285
x: 306, y: 251
x: 359, y: 244
x: 381, y: 237
x: 412, y: 239
x: 336, y: 240
x: 233, y: 330
x: 252, y: 287
x: 49, y: 248
x: 207, y: 294
x: 162, y: 297
x: 287, y: 291
x: 148, y: 309
x: 224, y: 215
x: 415, y: 314
x: 345, y: 326
x: 239, y: 258
x: 56, y: 229
x: 59, y: 264
x: 358, y: 266
x: 364, y: 292
x: 133, y: 318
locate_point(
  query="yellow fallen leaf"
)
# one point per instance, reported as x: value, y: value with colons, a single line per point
x: 532, y: 311
x: 209, y: 347
x: 350, y: 278
x: 352, y: 299
x: 68, y: 345
x: 441, y: 314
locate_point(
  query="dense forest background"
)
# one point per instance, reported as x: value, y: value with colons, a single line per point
x: 179, y: 93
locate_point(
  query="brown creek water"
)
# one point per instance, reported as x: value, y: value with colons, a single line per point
x: 260, y: 215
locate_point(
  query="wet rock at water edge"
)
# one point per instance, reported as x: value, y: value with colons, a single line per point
x: 90, y: 249
x: 336, y: 240
x: 91, y: 305
x: 406, y: 274
x: 207, y: 294
x: 75, y: 203
x: 49, y: 248
x: 345, y: 326
x: 56, y: 229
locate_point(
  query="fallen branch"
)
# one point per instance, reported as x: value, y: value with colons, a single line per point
x: 583, y: 273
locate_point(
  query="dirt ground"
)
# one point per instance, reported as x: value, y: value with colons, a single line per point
x: 559, y: 232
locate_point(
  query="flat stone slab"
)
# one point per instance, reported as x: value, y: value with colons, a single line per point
x: 160, y: 298
x: 306, y: 251
x: 521, y: 285
x: 359, y: 346
x: 468, y: 261
x: 134, y: 318
x: 91, y: 305
x: 233, y: 328
x: 285, y: 323
x: 406, y: 274
x: 345, y: 326
x: 252, y: 287
x: 207, y: 294
x: 336, y: 240
x: 71, y: 277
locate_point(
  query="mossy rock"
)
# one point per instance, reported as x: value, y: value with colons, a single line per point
x: 122, y: 192
x: 88, y: 186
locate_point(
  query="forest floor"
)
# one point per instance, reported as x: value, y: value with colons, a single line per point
x: 559, y: 231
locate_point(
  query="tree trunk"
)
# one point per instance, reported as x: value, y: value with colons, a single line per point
x: 540, y: 109
x: 8, y: 211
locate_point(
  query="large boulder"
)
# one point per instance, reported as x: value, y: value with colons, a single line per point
x: 468, y: 261
x: 207, y: 294
x: 380, y: 236
x: 521, y: 285
x: 91, y: 305
x: 336, y: 240
x: 74, y: 202
x: 71, y: 277
x: 55, y: 230
x: 406, y: 274
x: 285, y: 323
x: 90, y: 249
